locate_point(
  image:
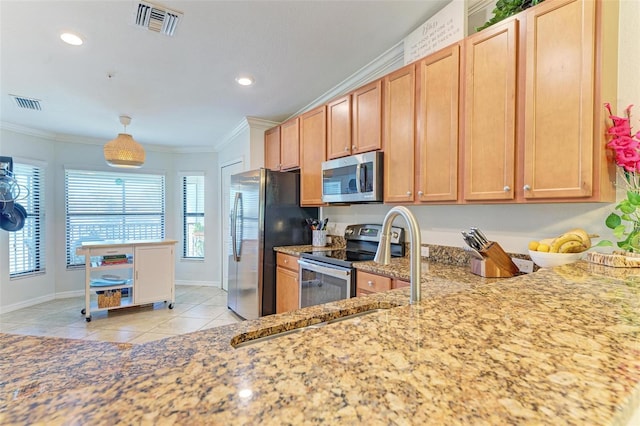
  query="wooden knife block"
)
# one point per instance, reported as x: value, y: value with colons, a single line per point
x: 488, y: 268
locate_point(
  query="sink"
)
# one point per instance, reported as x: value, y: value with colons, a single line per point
x: 239, y: 342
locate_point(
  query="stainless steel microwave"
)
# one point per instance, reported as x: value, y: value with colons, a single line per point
x: 353, y: 179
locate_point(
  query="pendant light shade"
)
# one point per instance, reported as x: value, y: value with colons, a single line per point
x: 123, y: 151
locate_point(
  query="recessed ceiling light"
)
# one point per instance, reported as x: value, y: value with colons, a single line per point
x: 71, y: 39
x: 245, y: 81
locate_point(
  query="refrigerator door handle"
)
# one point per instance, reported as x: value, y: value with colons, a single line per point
x: 234, y: 219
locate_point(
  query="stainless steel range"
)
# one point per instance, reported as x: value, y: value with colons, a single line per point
x: 327, y: 276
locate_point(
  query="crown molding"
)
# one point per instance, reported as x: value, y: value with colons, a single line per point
x: 16, y: 128
x: 387, y: 62
x: 65, y: 138
x: 478, y: 5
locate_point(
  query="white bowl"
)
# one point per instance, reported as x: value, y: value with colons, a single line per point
x: 548, y: 260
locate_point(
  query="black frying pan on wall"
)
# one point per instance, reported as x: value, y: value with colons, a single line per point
x: 12, y: 216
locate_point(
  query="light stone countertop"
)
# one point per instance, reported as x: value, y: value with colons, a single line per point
x: 560, y: 346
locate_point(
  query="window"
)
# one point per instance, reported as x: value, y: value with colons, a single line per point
x: 26, y: 246
x: 109, y: 206
x: 193, y: 217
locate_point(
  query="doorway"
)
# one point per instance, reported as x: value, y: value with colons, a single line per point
x: 226, y: 171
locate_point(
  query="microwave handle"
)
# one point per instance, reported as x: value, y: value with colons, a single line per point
x: 358, y: 177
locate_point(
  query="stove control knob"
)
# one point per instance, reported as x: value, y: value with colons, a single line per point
x: 394, y: 235
x: 348, y: 231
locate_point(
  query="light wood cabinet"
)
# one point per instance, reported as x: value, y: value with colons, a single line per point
x: 287, y: 283
x: 399, y: 135
x: 272, y: 149
x: 396, y: 283
x: 313, y: 142
x: 290, y: 144
x: 367, y: 118
x: 339, y: 127
x: 437, y: 87
x: 567, y: 83
x: 490, y: 113
x: 354, y: 122
x: 367, y: 283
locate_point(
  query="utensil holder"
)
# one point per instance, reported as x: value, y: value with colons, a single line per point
x: 495, y: 263
x: 318, y: 238
x: 487, y: 268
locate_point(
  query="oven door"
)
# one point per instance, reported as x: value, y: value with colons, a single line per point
x: 323, y: 283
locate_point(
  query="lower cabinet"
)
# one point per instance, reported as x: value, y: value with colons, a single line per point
x: 154, y: 273
x: 368, y: 283
x: 287, y: 283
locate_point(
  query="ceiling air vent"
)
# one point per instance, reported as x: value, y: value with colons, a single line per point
x: 27, y: 103
x: 157, y: 18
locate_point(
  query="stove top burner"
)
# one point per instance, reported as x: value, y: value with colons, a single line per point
x: 348, y: 255
x: 339, y: 257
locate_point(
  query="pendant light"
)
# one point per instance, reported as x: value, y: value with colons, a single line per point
x: 123, y: 151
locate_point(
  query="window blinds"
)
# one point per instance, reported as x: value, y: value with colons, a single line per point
x: 27, y: 246
x: 110, y: 206
x: 193, y: 216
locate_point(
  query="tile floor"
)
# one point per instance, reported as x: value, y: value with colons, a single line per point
x: 196, y: 308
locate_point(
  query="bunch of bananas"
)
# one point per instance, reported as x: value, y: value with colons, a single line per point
x: 575, y: 240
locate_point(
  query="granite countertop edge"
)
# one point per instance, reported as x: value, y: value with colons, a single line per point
x: 559, y: 345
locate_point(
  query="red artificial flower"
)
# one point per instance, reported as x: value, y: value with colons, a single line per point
x: 624, y: 143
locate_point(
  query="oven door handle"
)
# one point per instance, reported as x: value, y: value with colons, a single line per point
x: 326, y: 270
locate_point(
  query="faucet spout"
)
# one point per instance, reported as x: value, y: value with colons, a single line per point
x: 383, y: 254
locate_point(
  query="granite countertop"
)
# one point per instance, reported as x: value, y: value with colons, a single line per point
x: 560, y: 346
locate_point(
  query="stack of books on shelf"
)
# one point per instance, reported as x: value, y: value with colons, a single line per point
x: 115, y: 259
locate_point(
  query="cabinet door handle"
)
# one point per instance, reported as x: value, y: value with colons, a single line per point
x: 506, y: 188
x: 346, y: 148
x: 420, y: 193
x: 353, y: 147
x: 370, y: 283
x: 527, y: 188
x: 408, y: 193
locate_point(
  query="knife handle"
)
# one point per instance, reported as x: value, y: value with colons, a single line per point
x: 502, y: 260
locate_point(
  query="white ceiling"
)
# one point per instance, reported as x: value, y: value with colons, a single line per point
x: 180, y: 91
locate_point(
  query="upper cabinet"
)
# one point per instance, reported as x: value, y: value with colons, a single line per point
x: 367, y: 118
x: 272, y: 148
x: 313, y: 145
x: 354, y: 122
x: 339, y: 127
x: 437, y: 88
x: 566, y: 87
x: 490, y: 113
x: 399, y: 135
x: 290, y: 144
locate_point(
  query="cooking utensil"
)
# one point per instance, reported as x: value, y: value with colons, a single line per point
x: 479, y: 234
x: 473, y: 252
x: 324, y: 224
x: 12, y: 217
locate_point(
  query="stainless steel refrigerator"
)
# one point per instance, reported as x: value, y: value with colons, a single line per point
x: 265, y: 213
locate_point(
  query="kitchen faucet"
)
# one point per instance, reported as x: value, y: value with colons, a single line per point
x: 383, y: 254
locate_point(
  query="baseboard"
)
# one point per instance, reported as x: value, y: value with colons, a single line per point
x: 27, y: 303
x: 75, y: 293
x: 200, y: 283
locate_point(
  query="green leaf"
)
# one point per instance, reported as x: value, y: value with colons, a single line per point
x: 612, y: 221
x: 618, y: 231
x: 627, y: 207
x: 634, y: 198
x: 603, y: 243
x: 628, y: 218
